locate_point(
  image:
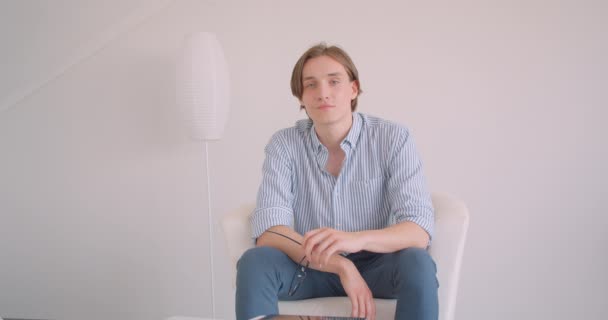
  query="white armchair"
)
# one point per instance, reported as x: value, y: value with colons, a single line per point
x: 451, y: 224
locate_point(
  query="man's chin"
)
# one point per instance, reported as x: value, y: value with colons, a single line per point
x: 323, y: 120
x: 326, y: 119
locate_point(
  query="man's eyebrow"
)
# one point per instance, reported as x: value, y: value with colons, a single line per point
x: 333, y: 74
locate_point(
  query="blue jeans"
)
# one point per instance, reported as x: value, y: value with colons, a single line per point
x: 264, y: 276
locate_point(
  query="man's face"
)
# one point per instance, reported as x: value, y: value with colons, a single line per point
x: 327, y: 91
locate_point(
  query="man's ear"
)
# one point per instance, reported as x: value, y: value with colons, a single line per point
x: 355, y: 86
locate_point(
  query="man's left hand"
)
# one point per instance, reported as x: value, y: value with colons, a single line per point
x: 320, y: 244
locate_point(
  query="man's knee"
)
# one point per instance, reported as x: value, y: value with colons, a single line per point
x: 259, y: 258
x: 259, y: 267
x: 416, y: 267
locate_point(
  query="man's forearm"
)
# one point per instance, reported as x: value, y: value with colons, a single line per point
x: 336, y: 264
x: 394, y: 238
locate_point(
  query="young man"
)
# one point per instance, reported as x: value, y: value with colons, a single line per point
x: 343, y: 208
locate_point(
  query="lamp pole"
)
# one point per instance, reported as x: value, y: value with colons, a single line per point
x: 211, y: 265
x: 203, y: 94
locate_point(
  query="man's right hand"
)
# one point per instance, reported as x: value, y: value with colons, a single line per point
x: 362, y: 301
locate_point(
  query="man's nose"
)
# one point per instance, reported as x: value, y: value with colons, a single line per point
x: 323, y: 91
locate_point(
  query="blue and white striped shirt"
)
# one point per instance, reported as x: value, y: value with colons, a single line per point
x: 381, y: 181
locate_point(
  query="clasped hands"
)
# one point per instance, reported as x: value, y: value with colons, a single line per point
x: 321, y: 244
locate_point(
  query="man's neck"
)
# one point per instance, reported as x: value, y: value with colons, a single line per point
x: 332, y: 135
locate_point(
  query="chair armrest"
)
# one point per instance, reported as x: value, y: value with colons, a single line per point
x: 237, y: 234
x: 447, y: 247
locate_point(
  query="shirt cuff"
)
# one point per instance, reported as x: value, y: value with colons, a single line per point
x: 263, y: 219
x: 423, y: 220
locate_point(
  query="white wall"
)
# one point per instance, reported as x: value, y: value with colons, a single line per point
x: 103, y: 196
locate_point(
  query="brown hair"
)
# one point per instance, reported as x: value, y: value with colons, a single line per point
x: 321, y: 49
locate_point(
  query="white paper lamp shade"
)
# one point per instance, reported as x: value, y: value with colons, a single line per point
x: 203, y: 92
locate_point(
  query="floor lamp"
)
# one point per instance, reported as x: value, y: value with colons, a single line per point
x: 203, y: 95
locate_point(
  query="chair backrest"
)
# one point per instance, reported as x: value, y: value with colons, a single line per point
x: 451, y: 225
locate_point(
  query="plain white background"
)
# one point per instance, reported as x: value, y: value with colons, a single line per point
x: 103, y: 206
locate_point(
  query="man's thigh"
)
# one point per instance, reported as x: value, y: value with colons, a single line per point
x: 384, y: 271
x: 316, y: 284
x: 272, y: 264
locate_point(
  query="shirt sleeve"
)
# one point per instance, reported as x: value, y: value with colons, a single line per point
x: 274, y: 204
x: 408, y: 196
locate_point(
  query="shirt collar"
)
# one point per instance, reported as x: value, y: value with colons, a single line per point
x: 355, y: 131
x: 351, y: 138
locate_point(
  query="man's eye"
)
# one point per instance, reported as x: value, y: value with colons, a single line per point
x: 310, y: 85
x: 334, y: 82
